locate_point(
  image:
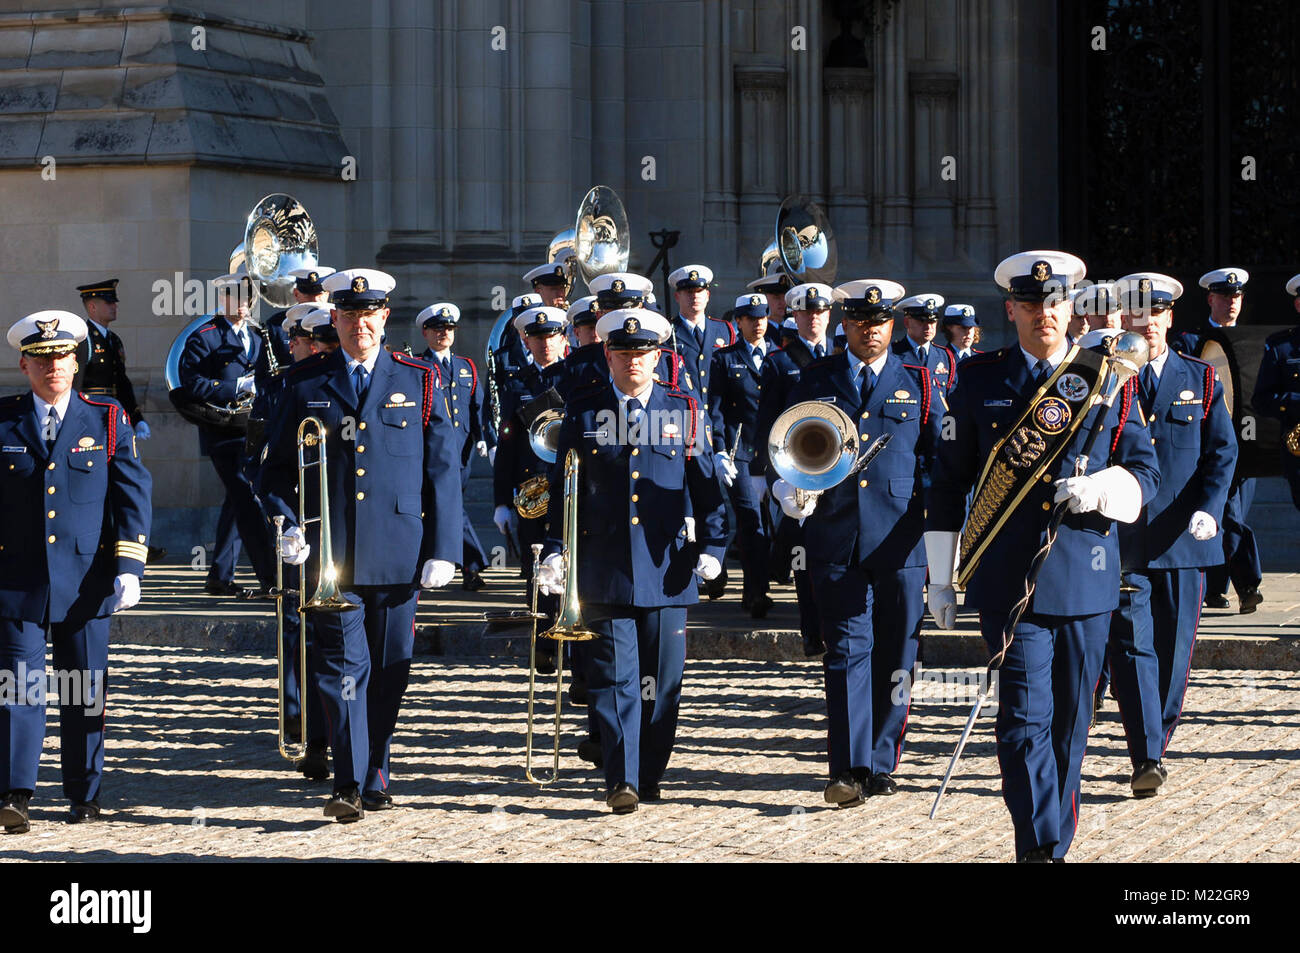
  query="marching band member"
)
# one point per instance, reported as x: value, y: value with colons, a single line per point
x: 1277, y: 391
x: 102, y: 357
x: 395, y: 515
x: 866, y: 564
x: 733, y: 405
x: 307, y: 289
x: 222, y: 361
x: 809, y: 304
x: 1166, y: 548
x: 323, y: 335
x: 1017, y: 404
x: 72, y: 552
x: 773, y: 288
x: 550, y: 283
x: 458, y: 378
x: 696, y: 335
x: 1225, y: 293
x: 918, y: 346
x: 651, y: 517
x: 962, y: 329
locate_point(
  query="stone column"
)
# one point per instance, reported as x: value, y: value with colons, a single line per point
x: 934, y: 143
x: 849, y: 161
x: 977, y: 211
x: 892, y: 188
x: 721, y: 209
x: 761, y: 111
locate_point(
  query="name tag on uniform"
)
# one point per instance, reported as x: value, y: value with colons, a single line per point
x: 464, y: 372
x: 14, y: 450
x: 997, y: 403
x: 317, y: 403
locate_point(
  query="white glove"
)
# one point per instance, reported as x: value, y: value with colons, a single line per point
x: 502, y: 517
x: 707, y: 567
x: 550, y: 576
x: 727, y: 466
x: 436, y: 573
x: 759, y: 483
x: 783, y: 493
x: 293, y: 547
x: 941, y: 557
x: 492, y: 457
x: 1112, y: 492
x: 142, y: 430
x: 1202, y: 526
x: 481, y: 447
x: 245, y: 385
x: 126, y: 592
x: 688, y: 528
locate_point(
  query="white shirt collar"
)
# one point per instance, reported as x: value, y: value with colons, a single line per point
x: 1157, y: 364
x: 643, y: 395
x: 60, y: 406
x: 1213, y: 323
x: 1053, y: 359
x: 856, y: 364
x: 369, y: 365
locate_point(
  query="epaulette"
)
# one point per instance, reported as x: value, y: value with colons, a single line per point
x: 924, y: 380
x: 426, y: 371
x: 1126, y: 395
x: 694, y: 415
x: 307, y: 363
x: 1277, y: 337
x: 206, y: 328
x: 110, y: 445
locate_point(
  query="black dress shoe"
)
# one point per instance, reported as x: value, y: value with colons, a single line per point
x: 746, y: 602
x: 813, y: 646
x: 882, y: 784
x: 1147, y: 778
x: 1216, y: 602
x: 377, y: 801
x: 315, y: 764
x: 473, y: 582
x: 759, y: 608
x: 345, y: 806
x: 649, y: 792
x: 589, y: 750
x: 622, y: 798
x: 1249, y: 601
x: 215, y: 587
x: 13, y: 812
x: 1036, y: 855
x: 844, y: 790
x: 83, y: 812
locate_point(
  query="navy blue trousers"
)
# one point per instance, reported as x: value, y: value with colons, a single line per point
x: 788, y: 538
x: 1044, y: 697
x: 870, y: 620
x: 225, y: 552
x: 227, y: 460
x: 1152, y: 637
x: 634, y: 687
x: 80, y: 649
x: 362, y: 661
x: 1240, y: 553
x: 472, y: 556
x: 751, y: 536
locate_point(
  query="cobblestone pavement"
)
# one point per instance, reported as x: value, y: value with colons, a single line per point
x: 193, y: 773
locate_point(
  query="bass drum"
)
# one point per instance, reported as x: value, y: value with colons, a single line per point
x: 1236, y: 354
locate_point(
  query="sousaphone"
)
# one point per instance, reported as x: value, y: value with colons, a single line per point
x: 803, y: 246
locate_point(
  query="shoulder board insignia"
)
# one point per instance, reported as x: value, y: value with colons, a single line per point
x: 206, y: 328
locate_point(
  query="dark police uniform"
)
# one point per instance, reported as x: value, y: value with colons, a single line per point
x: 210, y: 366
x: 635, y: 568
x: 866, y: 562
x: 395, y: 502
x: 1047, y: 679
x: 733, y: 403
x: 1152, y: 634
x: 77, y: 516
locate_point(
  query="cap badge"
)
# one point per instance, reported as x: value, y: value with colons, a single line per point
x: 1041, y: 271
x: 444, y: 313
x: 967, y: 312
x: 631, y: 325
x: 559, y: 271
x: 617, y: 285
x: 1144, y: 285
x: 49, y: 329
x: 693, y: 275
x: 313, y: 277
x: 1232, y: 278
x: 929, y: 303
x: 755, y: 301
x: 359, y: 283
x: 873, y: 295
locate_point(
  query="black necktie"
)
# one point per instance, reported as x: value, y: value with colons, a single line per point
x: 868, y: 384
x: 445, y: 371
x: 360, y: 380
x: 1149, y: 382
x: 819, y: 351
x: 699, y: 337
x: 51, y: 428
x: 1042, y: 370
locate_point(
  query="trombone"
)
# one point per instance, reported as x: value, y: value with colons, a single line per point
x: 327, y: 597
x: 569, y: 625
